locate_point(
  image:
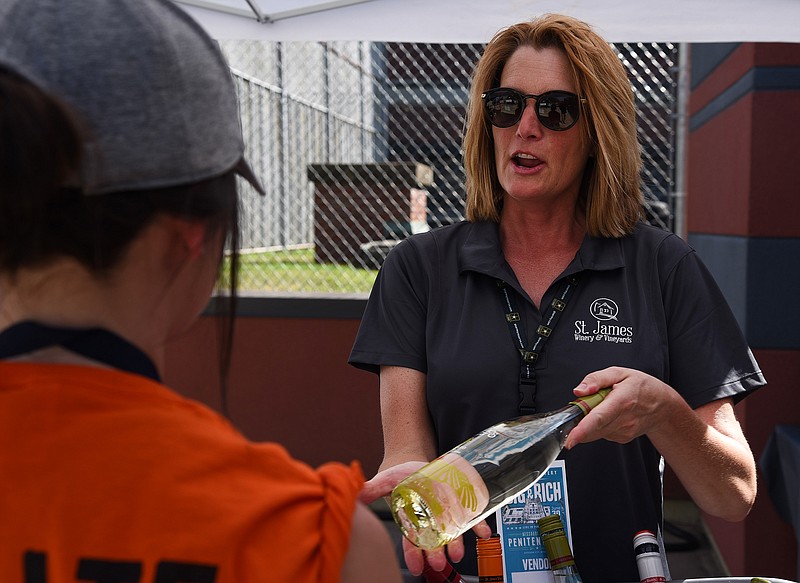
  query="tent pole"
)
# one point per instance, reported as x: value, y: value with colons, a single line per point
x: 679, y: 194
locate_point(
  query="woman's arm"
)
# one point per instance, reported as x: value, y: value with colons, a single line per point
x: 715, y: 464
x: 371, y: 555
x: 705, y: 447
x: 407, y: 429
x: 409, y: 443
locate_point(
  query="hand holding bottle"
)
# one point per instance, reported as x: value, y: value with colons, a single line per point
x: 640, y: 405
x: 381, y: 485
x: 705, y: 446
x: 440, y: 501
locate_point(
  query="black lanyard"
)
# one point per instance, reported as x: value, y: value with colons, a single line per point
x: 529, y: 356
x: 94, y: 343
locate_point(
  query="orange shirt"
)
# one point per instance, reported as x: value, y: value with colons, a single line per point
x: 107, y: 470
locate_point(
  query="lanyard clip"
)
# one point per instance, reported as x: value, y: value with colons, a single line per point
x: 527, y: 396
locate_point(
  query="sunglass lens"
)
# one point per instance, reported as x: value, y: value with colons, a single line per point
x: 557, y: 110
x: 504, y: 108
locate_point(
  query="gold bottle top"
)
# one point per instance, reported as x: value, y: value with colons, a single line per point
x: 555, y: 541
x: 589, y: 402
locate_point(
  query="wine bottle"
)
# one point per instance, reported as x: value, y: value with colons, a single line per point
x: 445, y: 498
x: 489, y: 552
x: 648, y: 557
x: 446, y: 575
x: 556, y: 545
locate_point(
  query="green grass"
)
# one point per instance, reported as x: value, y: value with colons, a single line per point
x: 297, y: 271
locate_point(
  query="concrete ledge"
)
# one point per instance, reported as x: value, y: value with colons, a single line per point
x: 294, y: 305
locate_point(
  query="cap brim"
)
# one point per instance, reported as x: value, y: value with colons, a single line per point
x: 244, y: 170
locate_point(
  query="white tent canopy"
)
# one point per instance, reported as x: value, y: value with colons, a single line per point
x: 475, y: 21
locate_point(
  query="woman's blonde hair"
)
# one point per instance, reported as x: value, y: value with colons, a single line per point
x: 611, y: 196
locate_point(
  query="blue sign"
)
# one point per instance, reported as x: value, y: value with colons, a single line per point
x: 524, y: 556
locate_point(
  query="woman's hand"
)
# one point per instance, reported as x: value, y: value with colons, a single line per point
x: 416, y: 558
x: 384, y: 481
x: 705, y: 447
x: 382, y: 484
x: 639, y: 404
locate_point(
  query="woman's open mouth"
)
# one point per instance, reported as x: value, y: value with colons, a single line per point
x: 524, y: 160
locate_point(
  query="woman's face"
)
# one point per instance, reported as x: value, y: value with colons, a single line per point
x: 535, y: 163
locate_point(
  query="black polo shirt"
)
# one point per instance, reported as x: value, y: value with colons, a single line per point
x: 644, y: 301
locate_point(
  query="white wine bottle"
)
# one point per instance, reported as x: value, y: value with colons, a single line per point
x: 444, y: 499
x: 556, y: 545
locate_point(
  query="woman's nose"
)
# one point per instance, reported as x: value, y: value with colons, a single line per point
x: 529, y: 125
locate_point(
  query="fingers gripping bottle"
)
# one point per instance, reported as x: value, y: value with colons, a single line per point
x: 451, y: 494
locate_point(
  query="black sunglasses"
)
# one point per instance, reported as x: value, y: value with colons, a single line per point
x: 556, y: 110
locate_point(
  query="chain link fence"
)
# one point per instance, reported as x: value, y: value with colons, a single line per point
x: 359, y: 145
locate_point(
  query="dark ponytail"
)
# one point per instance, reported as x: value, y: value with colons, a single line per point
x: 43, y: 216
x: 40, y: 147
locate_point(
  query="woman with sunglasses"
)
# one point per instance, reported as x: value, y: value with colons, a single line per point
x: 555, y: 287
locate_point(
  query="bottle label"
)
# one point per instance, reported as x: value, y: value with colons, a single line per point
x: 648, y: 557
x: 437, y: 503
x: 562, y: 561
x: 464, y: 482
x: 650, y: 568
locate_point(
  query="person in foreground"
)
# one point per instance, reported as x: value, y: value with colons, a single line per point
x: 554, y: 234
x: 120, y: 145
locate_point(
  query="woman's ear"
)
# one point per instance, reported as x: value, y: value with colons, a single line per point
x: 196, y: 239
x: 191, y: 235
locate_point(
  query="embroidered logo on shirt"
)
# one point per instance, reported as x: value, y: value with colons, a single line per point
x: 600, y: 329
x: 604, y: 309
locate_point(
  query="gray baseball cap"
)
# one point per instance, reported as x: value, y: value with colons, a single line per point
x: 152, y: 88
